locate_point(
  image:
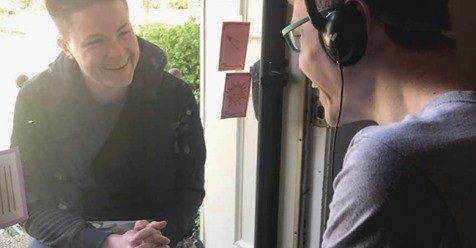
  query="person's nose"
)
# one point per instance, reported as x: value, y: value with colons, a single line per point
x: 116, y: 49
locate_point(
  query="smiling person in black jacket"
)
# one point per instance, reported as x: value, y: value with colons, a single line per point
x: 106, y: 135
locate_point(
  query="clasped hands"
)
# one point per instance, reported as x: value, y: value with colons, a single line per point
x: 144, y: 235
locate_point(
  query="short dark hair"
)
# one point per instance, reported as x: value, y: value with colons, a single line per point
x: 398, y: 14
x: 61, y: 11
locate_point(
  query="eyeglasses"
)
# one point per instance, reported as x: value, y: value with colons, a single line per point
x: 293, y: 39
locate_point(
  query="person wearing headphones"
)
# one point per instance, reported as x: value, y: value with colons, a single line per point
x: 410, y: 180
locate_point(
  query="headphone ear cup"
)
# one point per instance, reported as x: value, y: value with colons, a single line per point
x: 344, y: 37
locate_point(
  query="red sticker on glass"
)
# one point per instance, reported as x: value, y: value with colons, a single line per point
x: 236, y: 95
x: 234, y: 44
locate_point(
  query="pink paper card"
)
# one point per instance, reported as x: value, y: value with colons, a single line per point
x: 12, y: 189
x: 234, y: 44
x: 236, y: 95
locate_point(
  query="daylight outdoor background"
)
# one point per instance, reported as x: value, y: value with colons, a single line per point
x: 28, y: 45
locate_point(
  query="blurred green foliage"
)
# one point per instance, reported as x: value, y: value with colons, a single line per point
x: 178, y: 4
x: 181, y: 43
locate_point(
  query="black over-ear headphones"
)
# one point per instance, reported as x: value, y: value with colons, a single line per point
x: 342, y: 32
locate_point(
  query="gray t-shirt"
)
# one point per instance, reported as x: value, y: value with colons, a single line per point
x: 411, y: 183
x: 94, y: 122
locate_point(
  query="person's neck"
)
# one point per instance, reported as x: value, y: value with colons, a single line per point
x: 104, y: 94
x: 409, y: 82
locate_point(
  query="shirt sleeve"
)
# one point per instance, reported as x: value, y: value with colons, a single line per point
x: 47, y: 222
x: 190, y: 156
x: 382, y: 200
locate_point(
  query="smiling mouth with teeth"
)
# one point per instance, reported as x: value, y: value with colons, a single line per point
x: 117, y: 68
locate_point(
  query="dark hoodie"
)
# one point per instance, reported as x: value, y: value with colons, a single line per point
x: 149, y: 165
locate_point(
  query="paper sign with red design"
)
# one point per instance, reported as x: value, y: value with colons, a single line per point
x: 234, y: 44
x: 236, y: 95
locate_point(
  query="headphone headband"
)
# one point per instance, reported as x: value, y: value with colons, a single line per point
x: 317, y: 20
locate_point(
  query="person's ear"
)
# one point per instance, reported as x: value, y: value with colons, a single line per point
x: 363, y: 8
x: 64, y: 45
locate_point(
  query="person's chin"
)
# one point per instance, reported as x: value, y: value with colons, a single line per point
x: 330, y: 117
x: 123, y: 83
x: 118, y: 82
x: 331, y: 112
x: 120, y: 79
